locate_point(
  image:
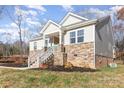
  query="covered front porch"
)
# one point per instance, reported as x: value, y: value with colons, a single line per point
x: 52, y: 35
x: 53, y: 39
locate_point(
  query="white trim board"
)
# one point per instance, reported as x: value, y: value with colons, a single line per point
x: 47, y: 24
x: 71, y: 14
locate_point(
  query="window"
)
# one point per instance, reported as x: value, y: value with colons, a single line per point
x: 72, y: 37
x: 80, y: 36
x: 35, y: 45
x: 77, y: 36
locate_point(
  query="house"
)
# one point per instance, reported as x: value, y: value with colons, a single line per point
x: 76, y: 40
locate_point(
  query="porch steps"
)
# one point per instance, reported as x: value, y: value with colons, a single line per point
x: 46, y: 56
x: 40, y: 58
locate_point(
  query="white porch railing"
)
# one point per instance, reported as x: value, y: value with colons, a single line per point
x: 47, y: 54
x: 39, y: 58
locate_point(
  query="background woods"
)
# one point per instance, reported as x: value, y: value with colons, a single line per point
x: 118, y: 28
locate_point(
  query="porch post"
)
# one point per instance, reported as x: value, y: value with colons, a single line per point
x: 44, y: 42
x: 61, y: 38
x: 61, y: 42
x: 51, y: 40
x: 29, y: 61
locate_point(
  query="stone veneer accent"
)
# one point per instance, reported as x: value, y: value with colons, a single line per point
x: 102, y: 61
x: 59, y: 56
x: 81, y: 55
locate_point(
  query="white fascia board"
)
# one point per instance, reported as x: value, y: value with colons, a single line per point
x: 47, y: 24
x: 75, y: 15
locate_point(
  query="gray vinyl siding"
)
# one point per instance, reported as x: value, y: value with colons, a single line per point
x: 104, y: 38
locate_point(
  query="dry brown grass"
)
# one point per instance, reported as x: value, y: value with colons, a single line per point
x: 106, y: 77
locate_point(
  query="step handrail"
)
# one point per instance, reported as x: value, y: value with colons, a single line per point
x: 32, y: 59
x: 41, y: 56
x: 46, y: 55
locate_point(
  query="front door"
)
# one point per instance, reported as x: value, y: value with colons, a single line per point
x: 46, y: 42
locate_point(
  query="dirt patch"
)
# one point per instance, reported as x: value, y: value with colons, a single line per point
x: 13, y: 59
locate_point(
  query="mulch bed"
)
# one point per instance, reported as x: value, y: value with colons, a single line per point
x: 62, y: 69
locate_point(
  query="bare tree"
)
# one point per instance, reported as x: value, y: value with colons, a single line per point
x: 118, y: 29
x: 18, y: 19
x: 120, y: 14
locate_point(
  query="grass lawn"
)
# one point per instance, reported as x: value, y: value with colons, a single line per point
x: 106, y: 77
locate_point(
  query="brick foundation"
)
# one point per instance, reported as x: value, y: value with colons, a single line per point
x: 102, y: 61
x: 81, y: 55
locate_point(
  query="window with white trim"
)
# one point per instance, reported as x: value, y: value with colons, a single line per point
x: 80, y: 36
x: 77, y: 36
x: 35, y: 45
x: 73, y: 37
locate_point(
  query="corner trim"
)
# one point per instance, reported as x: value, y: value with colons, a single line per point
x: 94, y: 46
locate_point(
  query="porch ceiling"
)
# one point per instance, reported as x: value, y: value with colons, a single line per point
x: 56, y: 34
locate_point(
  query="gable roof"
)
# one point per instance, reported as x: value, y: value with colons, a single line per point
x: 74, y: 15
x: 99, y: 21
x: 47, y: 24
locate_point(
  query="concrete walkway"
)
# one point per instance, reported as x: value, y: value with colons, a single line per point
x: 17, y: 68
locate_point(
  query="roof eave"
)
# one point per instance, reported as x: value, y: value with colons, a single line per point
x: 79, y: 25
x: 35, y: 39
